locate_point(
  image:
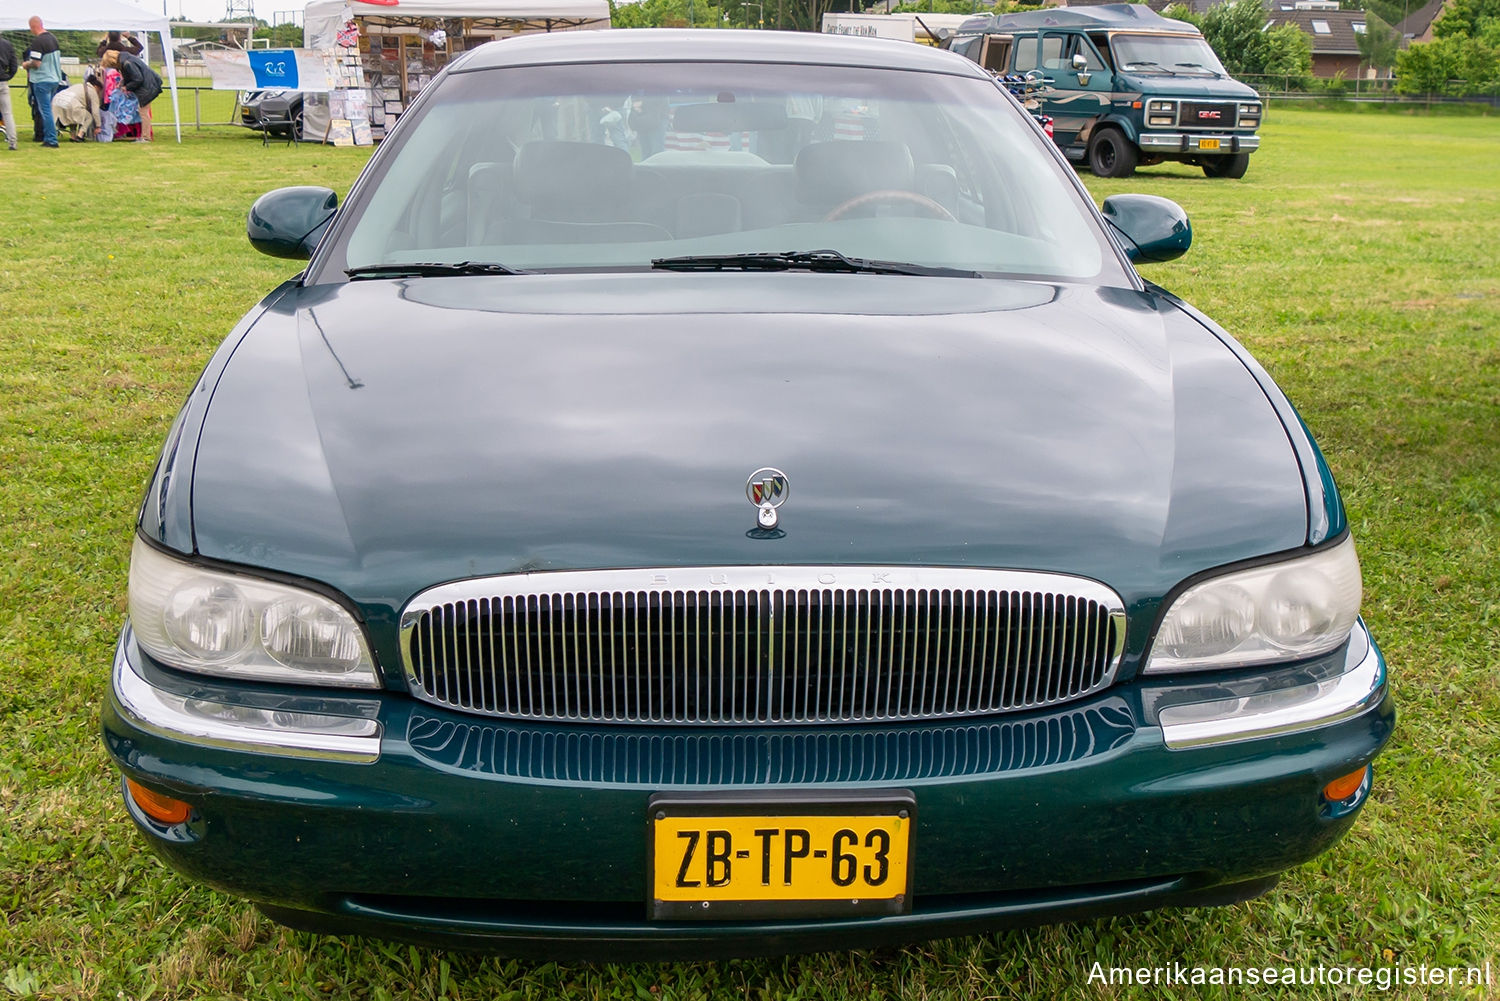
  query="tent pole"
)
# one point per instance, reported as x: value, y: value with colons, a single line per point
x: 166, y: 48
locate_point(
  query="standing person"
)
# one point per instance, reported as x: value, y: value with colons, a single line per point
x: 647, y: 118
x: 8, y: 67
x: 120, y: 41
x: 44, y: 74
x: 141, y: 80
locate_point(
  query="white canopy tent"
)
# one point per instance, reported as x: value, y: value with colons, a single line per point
x: 322, y: 20
x: 95, y: 15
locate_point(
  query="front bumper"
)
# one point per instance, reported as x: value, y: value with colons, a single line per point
x: 1192, y: 143
x: 531, y: 839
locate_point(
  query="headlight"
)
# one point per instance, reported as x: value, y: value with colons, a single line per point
x: 234, y: 626
x: 1285, y: 611
x: 1161, y: 113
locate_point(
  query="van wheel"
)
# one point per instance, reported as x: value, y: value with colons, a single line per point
x: 1227, y: 166
x: 1111, y: 154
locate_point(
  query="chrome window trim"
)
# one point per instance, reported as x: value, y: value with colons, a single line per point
x: 168, y: 714
x: 1287, y: 711
x: 725, y: 579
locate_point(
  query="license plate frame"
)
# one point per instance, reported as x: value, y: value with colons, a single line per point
x: 744, y: 898
x: 1212, y: 144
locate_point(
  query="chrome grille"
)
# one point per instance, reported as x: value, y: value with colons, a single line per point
x: 1208, y: 114
x: 765, y: 645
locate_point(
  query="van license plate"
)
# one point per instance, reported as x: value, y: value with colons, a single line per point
x: 732, y: 859
x: 1208, y: 144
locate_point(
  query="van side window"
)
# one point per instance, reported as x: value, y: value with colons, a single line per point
x: 1025, y: 54
x: 1052, y: 52
x: 1079, y: 45
x: 969, y: 48
x: 1058, y: 50
x: 1101, y: 43
x: 996, y: 54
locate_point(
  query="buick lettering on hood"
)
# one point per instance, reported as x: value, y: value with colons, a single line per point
x: 718, y: 493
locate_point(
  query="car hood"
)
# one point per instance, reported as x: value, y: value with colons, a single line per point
x: 1193, y: 88
x: 384, y: 436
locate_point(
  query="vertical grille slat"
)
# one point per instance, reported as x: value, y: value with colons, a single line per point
x: 763, y: 653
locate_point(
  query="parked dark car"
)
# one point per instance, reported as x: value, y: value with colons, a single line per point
x: 275, y: 111
x: 811, y: 534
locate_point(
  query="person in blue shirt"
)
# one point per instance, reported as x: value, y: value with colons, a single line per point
x: 45, y: 76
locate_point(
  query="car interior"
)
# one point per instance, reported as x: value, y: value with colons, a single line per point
x: 540, y: 182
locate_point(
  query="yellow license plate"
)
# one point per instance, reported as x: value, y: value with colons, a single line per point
x: 1208, y: 144
x: 730, y: 859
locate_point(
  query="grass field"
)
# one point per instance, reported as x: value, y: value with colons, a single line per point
x: 1359, y: 259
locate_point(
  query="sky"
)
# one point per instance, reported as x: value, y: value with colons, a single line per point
x: 213, y: 10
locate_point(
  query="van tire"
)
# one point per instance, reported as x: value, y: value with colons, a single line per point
x: 1233, y: 166
x: 1111, y: 154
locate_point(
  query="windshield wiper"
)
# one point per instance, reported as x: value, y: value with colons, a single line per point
x: 1198, y: 66
x: 805, y: 260
x: 430, y: 269
x: 1134, y: 63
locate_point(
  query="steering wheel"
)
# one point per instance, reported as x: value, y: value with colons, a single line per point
x: 889, y: 195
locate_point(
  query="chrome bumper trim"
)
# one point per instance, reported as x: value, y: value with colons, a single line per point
x: 1179, y: 142
x: 1277, y: 713
x: 242, y: 728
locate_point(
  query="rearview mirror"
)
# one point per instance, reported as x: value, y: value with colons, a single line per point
x: 1152, y: 229
x: 289, y: 222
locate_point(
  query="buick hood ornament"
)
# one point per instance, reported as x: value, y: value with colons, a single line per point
x: 767, y: 489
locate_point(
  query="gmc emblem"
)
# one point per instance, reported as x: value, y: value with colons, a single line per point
x: 1211, y: 114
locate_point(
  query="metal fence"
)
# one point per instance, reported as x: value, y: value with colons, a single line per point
x: 1381, y: 91
x: 200, y: 106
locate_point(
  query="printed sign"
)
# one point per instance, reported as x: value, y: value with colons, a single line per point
x: 271, y: 69
x: 274, y: 68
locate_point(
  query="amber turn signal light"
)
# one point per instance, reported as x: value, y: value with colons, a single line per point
x: 156, y: 806
x: 1345, y: 786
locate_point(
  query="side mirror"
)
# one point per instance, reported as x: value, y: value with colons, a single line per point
x: 1152, y: 229
x: 1080, y: 62
x: 289, y: 222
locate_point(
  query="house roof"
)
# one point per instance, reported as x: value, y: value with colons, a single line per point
x: 1196, y: 6
x: 1417, y: 23
x: 1333, y: 32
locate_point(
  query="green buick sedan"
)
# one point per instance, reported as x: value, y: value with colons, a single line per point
x: 721, y: 493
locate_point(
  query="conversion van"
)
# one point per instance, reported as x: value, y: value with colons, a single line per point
x: 1123, y: 85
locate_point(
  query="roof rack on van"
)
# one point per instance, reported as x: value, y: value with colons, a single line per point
x: 1112, y: 15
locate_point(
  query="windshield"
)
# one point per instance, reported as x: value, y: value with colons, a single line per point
x: 1181, y: 55
x: 609, y: 167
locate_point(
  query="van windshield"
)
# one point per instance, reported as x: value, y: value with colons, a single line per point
x: 1178, y: 55
x: 613, y: 166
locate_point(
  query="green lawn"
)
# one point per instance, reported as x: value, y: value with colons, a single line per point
x: 1359, y: 259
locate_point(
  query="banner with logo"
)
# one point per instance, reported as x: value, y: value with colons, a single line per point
x: 270, y: 69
